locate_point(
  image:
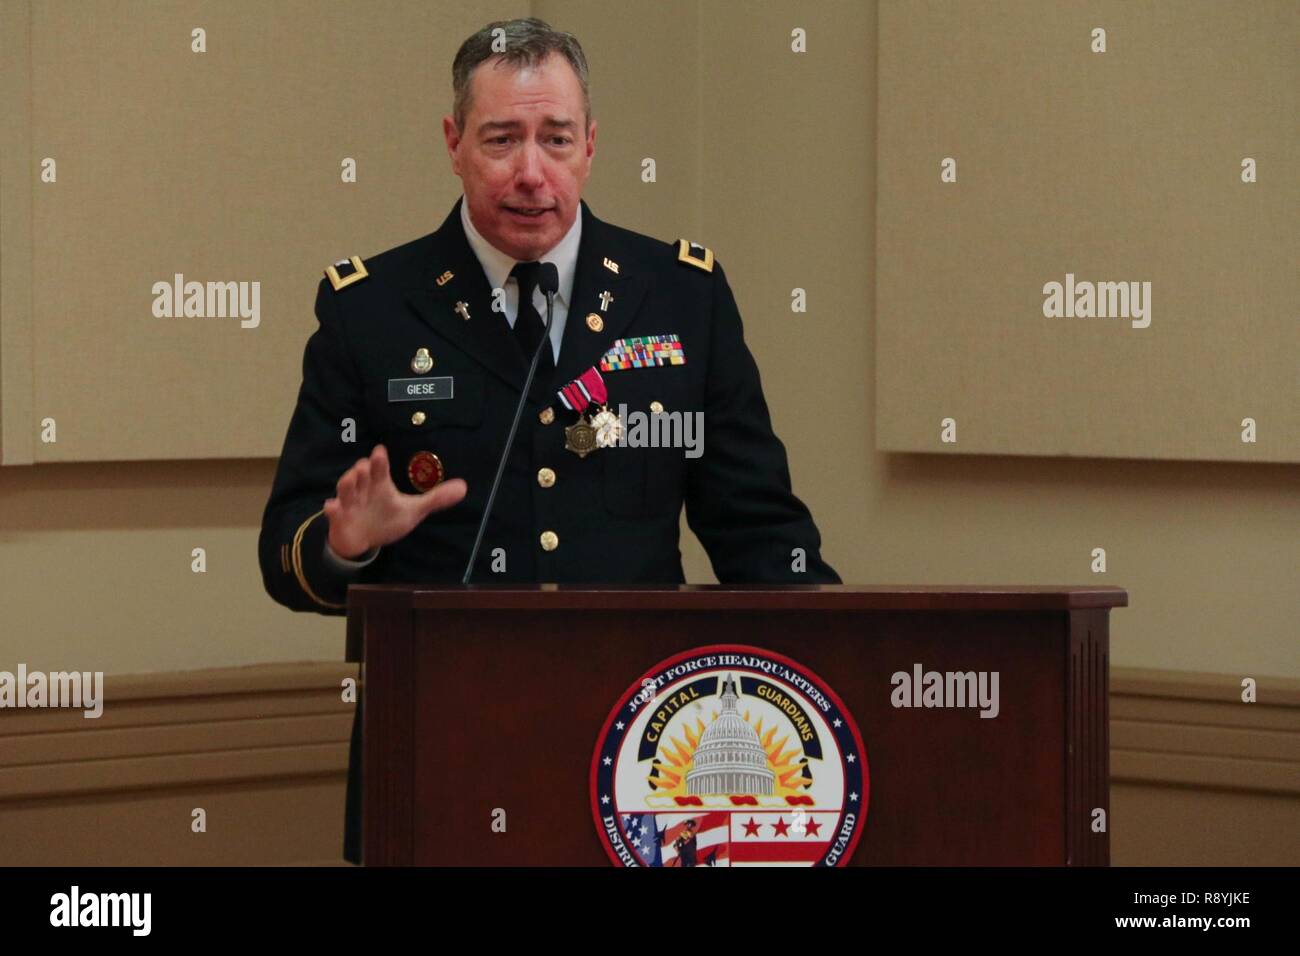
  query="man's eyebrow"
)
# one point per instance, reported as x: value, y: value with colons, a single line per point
x: 550, y: 121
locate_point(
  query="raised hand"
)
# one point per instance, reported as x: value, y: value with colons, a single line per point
x: 368, y: 510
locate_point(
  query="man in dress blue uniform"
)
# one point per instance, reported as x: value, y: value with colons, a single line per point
x: 422, y: 351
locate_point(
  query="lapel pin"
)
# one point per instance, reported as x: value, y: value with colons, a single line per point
x: 611, y: 265
x: 595, y: 322
x: 605, y: 299
x: 424, y: 470
x: 422, y: 362
x: 445, y: 277
x: 462, y: 309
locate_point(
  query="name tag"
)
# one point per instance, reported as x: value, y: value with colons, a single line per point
x: 420, y: 389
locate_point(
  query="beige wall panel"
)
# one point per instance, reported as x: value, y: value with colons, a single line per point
x: 298, y: 821
x: 222, y: 166
x: 1116, y: 166
x: 16, y: 423
x: 1181, y: 826
x: 95, y: 570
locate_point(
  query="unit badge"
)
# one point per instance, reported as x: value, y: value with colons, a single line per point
x: 729, y: 755
x: 424, y: 470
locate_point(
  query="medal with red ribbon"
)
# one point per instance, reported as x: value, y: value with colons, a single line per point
x: 587, y: 388
x: 591, y: 431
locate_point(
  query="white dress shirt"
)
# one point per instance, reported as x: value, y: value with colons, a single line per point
x: 497, y: 265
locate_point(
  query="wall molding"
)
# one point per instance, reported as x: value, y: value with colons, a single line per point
x: 181, y: 729
x: 1188, y: 729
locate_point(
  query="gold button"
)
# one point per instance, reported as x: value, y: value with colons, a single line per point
x: 595, y: 322
x: 547, y: 415
x: 656, y: 407
x: 550, y: 540
x: 418, y: 418
x: 546, y: 477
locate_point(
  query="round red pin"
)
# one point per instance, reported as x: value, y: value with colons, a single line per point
x: 424, y: 470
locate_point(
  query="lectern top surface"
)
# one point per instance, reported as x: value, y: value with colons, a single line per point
x: 739, y: 597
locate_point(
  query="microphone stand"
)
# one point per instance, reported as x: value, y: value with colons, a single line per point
x: 545, y: 343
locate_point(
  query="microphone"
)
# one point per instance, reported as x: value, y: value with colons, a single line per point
x: 548, y: 280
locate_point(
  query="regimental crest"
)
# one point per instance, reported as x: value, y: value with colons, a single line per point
x: 729, y: 755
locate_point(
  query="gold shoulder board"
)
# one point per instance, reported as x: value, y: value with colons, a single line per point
x: 352, y: 271
x: 695, y: 254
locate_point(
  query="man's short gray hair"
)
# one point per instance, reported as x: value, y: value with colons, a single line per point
x: 527, y: 42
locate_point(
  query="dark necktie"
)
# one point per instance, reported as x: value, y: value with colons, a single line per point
x: 528, y: 321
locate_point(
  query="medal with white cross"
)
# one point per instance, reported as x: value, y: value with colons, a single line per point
x: 608, y: 428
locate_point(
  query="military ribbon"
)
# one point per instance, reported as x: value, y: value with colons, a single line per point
x: 646, y: 351
x: 582, y: 391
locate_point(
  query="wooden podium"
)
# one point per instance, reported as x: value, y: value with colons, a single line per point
x: 483, y: 706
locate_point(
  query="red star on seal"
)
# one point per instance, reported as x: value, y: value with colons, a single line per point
x: 780, y: 827
x: 812, y: 827
x: 751, y: 828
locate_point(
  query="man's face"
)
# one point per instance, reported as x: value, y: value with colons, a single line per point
x: 523, y: 157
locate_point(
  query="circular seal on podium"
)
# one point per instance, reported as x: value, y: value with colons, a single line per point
x: 729, y: 755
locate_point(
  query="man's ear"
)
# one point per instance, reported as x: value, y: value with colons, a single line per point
x: 452, y: 137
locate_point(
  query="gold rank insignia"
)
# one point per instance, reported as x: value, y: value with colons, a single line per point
x: 351, y: 271
x: 695, y: 254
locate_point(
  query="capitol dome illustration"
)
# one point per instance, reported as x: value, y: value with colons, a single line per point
x: 730, y: 758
